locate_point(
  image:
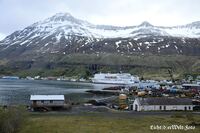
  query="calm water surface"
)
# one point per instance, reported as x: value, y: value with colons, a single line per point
x: 19, y: 91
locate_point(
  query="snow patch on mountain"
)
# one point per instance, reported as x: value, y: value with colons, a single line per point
x: 64, y: 26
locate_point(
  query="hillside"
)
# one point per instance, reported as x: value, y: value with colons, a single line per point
x: 63, y: 40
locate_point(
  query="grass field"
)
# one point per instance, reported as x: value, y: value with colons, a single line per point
x: 97, y: 123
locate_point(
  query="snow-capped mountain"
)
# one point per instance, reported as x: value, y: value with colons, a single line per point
x: 63, y: 33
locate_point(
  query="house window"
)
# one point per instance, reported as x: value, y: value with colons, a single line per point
x: 174, y: 108
x: 51, y: 101
x: 189, y: 108
x: 160, y: 107
x: 185, y: 108
x: 164, y: 107
x: 34, y: 102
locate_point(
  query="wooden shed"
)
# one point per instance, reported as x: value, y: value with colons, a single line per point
x: 47, y: 102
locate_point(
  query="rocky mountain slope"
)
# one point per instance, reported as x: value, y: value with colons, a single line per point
x: 63, y: 34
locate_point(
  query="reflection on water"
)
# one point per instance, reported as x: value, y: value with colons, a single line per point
x: 19, y: 91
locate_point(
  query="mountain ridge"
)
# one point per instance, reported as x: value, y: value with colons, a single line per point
x: 64, y: 45
x: 65, y: 34
x: 59, y: 18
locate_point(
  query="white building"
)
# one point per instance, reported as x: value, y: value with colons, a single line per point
x: 162, y: 103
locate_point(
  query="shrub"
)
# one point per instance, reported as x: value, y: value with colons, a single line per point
x: 190, y: 117
x: 11, y: 119
x: 178, y: 115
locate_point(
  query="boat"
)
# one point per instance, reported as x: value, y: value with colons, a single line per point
x: 115, y: 78
x: 10, y: 77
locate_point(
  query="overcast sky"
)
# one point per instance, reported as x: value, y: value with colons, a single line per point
x: 17, y: 14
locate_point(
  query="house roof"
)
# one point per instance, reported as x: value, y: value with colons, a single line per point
x: 192, y: 85
x: 165, y: 101
x: 47, y: 97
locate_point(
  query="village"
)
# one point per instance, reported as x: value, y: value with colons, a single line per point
x: 146, y: 95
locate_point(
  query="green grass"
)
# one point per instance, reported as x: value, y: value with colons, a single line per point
x: 147, y: 66
x: 97, y: 123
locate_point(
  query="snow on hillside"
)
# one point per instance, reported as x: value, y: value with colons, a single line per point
x: 183, y: 32
x: 65, y: 25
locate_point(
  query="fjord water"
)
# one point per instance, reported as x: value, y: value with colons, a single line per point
x: 15, y: 92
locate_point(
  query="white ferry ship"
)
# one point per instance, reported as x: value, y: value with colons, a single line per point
x: 115, y: 78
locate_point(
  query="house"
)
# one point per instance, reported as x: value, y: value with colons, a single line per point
x: 191, y: 86
x: 47, y: 102
x: 162, y: 103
